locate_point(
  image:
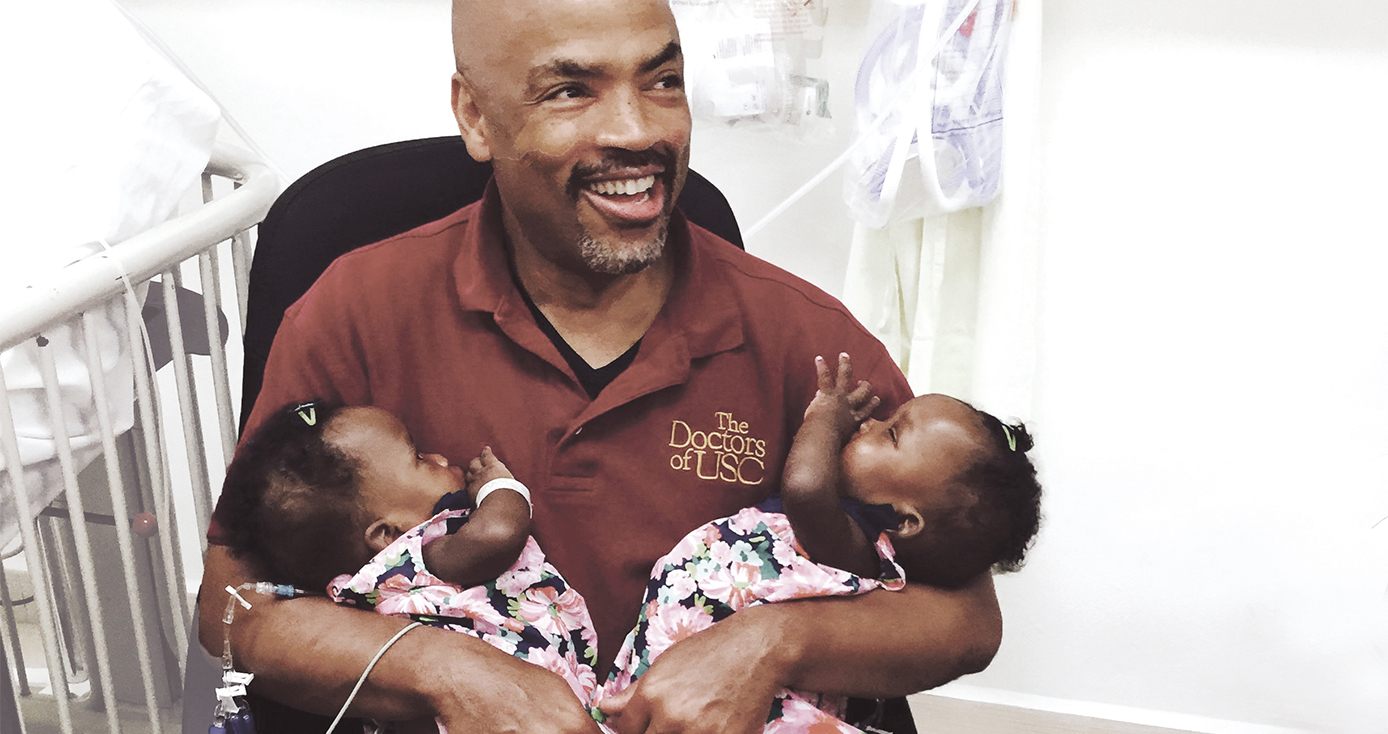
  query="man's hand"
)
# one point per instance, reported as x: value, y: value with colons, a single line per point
x: 723, y: 679
x: 514, y: 696
x: 719, y: 681
x: 835, y: 406
x: 309, y: 652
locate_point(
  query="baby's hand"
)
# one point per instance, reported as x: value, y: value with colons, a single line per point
x: 483, y: 469
x: 843, y: 410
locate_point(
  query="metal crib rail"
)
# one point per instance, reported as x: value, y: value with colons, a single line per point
x: 70, y: 611
x: 97, y: 278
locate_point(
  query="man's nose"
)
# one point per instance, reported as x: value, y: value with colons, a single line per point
x: 629, y: 122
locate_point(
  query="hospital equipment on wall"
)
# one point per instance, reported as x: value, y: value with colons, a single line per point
x: 93, y: 592
x: 898, y: 103
x: 746, y: 64
x: 930, y: 122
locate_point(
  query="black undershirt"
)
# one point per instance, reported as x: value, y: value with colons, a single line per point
x: 593, y: 379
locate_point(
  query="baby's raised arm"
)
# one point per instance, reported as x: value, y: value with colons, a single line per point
x: 811, y: 484
x: 494, y: 535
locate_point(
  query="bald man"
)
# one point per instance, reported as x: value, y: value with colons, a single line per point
x: 575, y: 321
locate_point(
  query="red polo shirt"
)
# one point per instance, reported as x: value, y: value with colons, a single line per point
x: 430, y: 325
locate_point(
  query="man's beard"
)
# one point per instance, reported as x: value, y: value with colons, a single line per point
x: 609, y: 260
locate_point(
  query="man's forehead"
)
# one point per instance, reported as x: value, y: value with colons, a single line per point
x: 539, y: 34
x: 582, y: 64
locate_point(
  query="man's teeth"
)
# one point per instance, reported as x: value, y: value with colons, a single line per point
x: 628, y: 187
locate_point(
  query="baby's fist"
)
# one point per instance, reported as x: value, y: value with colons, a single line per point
x: 483, y: 469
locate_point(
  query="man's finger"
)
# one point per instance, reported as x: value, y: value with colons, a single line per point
x: 615, y: 705
x: 625, y: 717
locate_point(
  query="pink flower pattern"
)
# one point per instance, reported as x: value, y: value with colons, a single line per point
x: 530, y: 611
x: 727, y: 565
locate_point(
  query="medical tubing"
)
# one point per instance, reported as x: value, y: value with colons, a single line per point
x: 818, y: 178
x: 234, y: 597
x: 367, y: 672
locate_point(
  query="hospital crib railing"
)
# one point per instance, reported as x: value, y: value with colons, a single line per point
x: 96, y: 622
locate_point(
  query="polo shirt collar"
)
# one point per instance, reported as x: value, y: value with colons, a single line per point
x: 701, y: 303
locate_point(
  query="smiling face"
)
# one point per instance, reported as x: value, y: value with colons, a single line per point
x: 580, y: 106
x: 397, y: 484
x: 908, y: 460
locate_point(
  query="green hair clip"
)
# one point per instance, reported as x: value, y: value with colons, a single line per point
x: 307, y: 411
x: 1011, y: 439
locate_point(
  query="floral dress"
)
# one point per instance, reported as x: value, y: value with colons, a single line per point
x: 529, y: 611
x: 747, y: 559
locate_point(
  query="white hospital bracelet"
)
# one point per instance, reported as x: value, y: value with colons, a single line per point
x: 505, y: 483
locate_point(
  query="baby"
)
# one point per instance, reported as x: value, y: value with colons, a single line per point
x: 322, y: 489
x: 938, y: 493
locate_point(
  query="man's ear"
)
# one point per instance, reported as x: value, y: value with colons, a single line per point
x: 469, y: 117
x: 911, y: 522
x: 382, y: 533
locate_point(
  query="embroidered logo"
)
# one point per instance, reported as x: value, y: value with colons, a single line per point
x: 724, y: 452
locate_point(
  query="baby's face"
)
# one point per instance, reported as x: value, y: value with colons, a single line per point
x: 905, y: 460
x: 397, y: 482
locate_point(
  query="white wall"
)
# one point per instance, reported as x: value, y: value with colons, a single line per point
x: 1213, y: 367
x: 1213, y: 355
x: 310, y: 80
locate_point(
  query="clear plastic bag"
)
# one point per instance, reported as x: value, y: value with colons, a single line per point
x: 745, y: 64
x: 935, y: 75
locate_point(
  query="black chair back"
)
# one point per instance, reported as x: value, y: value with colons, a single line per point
x: 372, y: 194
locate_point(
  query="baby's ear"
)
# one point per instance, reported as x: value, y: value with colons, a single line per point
x: 382, y: 533
x: 911, y: 521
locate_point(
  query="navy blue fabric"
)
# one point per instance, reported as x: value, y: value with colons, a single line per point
x: 452, y: 501
x: 873, y: 519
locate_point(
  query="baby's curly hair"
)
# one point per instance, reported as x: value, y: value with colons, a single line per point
x: 291, y: 498
x: 996, y: 517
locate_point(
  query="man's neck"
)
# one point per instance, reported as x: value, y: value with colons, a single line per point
x: 599, y: 316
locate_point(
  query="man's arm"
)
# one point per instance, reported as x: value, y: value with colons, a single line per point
x: 877, y: 645
x: 309, y: 652
x: 881, y: 644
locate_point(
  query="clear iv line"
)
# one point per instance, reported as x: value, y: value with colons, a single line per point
x: 818, y: 178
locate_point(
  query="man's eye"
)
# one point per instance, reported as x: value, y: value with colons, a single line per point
x: 569, y: 91
x: 671, y: 81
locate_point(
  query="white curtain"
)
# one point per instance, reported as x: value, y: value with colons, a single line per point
x: 954, y: 296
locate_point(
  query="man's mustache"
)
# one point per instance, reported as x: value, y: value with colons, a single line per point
x: 616, y: 159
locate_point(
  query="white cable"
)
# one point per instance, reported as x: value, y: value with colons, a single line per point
x: 506, y: 483
x: 367, y: 672
x: 843, y: 157
x: 164, y: 496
